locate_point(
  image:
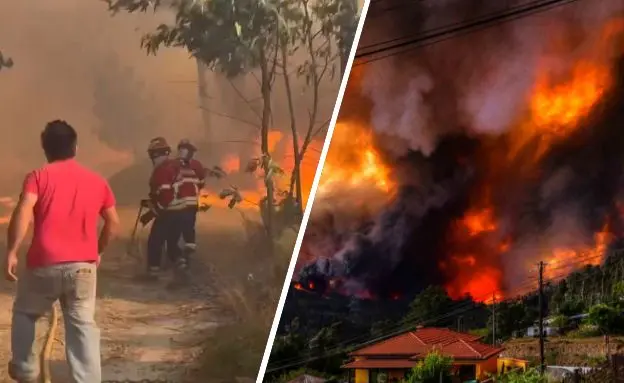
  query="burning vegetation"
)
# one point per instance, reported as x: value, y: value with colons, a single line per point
x: 465, y: 171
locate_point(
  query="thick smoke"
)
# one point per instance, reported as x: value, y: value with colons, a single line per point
x: 73, y: 61
x: 477, y: 81
x: 453, y: 106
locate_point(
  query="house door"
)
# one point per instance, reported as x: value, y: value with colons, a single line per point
x: 467, y: 372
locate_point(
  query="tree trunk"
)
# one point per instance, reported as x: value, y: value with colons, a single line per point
x: 295, y: 181
x: 265, y: 86
x: 202, y: 95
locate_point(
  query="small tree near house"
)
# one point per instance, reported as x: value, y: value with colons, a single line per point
x: 433, y: 369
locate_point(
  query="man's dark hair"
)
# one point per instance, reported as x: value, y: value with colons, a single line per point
x: 59, y: 140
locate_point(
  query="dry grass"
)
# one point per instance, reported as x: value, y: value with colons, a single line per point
x: 248, y: 288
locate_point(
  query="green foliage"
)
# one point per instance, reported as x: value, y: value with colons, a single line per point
x: 585, y: 330
x: 618, y: 291
x: 431, y: 303
x: 512, y: 316
x: 430, y: 369
x: 482, y: 332
x: 530, y: 376
x: 560, y: 321
x: 571, y: 307
x: 604, y: 317
x: 340, y: 19
x: 233, y: 37
x: 5, y: 62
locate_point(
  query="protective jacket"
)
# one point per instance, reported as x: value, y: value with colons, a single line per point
x: 189, y: 180
x: 175, y: 184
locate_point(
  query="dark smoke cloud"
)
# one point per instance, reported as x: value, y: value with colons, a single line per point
x: 451, y: 105
x: 478, y: 81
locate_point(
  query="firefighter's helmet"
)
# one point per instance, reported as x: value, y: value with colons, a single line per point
x: 186, y: 144
x: 158, y: 147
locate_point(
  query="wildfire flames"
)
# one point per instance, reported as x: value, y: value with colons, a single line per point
x: 488, y: 250
x: 353, y: 162
x: 281, y: 150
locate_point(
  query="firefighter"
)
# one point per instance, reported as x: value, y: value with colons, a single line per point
x: 163, y: 208
x: 189, y: 182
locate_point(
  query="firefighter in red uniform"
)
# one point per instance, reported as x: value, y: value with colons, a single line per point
x: 164, y: 208
x: 188, y: 183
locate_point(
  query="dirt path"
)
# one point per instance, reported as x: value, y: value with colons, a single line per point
x: 149, y: 332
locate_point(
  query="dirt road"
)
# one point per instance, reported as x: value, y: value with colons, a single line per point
x: 149, y: 332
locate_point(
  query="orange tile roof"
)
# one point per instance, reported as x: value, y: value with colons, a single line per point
x: 417, y: 344
x: 381, y: 363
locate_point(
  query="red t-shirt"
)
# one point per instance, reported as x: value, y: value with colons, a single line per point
x: 70, y: 201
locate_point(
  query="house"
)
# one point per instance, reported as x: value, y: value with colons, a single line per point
x: 533, y: 331
x: 393, y: 358
x: 549, y: 327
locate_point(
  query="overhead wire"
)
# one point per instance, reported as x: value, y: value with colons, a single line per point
x: 460, y: 308
x: 442, y: 35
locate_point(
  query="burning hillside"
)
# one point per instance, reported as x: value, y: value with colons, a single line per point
x: 464, y: 171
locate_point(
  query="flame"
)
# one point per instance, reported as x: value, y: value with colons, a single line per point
x: 281, y: 151
x: 563, y: 261
x: 558, y: 104
x: 479, y: 221
x: 478, y: 275
x: 556, y: 108
x: 231, y: 164
x: 353, y: 161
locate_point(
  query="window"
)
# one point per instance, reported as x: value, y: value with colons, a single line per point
x: 467, y: 372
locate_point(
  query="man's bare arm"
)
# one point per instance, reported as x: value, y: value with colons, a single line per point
x: 20, y: 220
x: 109, y: 230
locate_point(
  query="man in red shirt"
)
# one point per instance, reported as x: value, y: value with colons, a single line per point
x: 65, y: 200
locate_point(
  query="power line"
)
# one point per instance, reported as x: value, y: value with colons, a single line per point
x: 492, y: 18
x: 541, y: 316
x: 440, y: 36
x: 402, y: 328
x: 444, y: 28
x: 460, y: 308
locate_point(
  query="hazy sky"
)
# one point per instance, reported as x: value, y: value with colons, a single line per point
x: 61, y: 50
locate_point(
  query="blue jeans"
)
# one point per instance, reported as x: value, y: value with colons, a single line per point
x: 74, y: 285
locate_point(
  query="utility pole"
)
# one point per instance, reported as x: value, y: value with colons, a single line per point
x: 494, y: 319
x: 541, y: 316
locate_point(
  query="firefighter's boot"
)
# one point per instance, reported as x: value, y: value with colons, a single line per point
x: 153, y: 274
